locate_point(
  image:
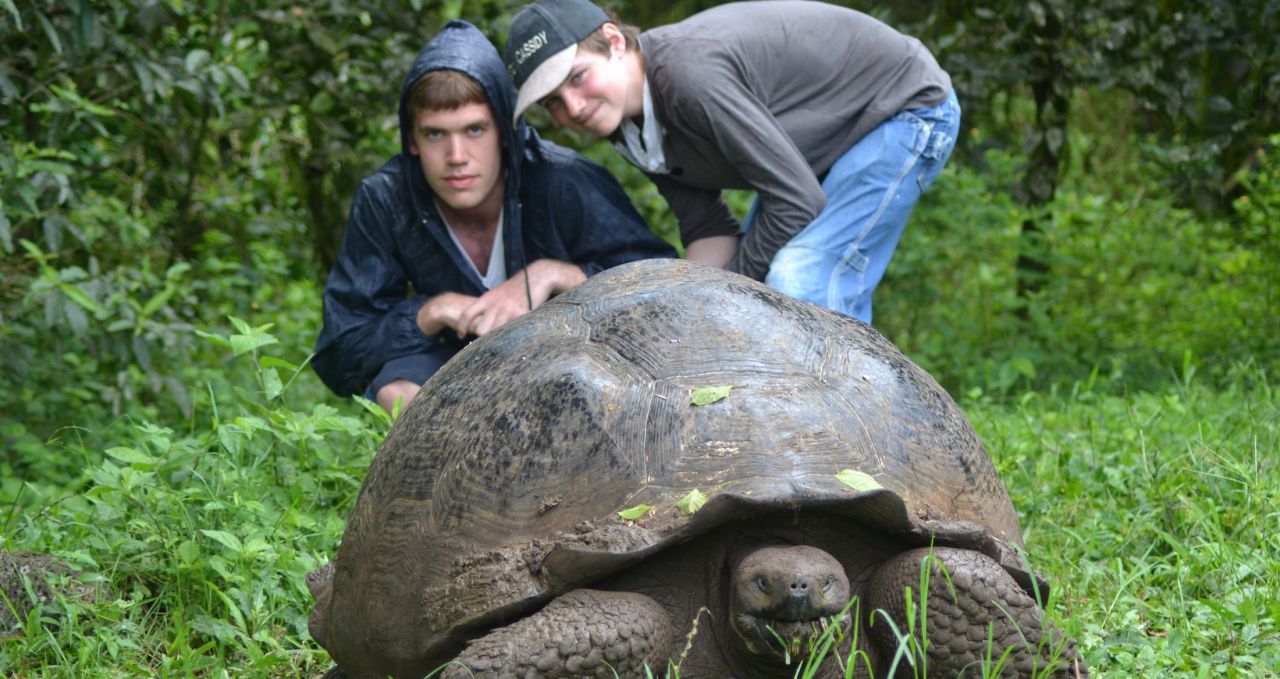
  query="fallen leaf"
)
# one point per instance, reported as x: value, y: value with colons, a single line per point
x: 858, y: 480
x: 635, y: 512
x: 691, y: 502
x: 708, y: 395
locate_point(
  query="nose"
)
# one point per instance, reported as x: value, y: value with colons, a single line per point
x: 573, y: 104
x: 457, y: 150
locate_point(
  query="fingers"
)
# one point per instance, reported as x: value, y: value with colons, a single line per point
x: 494, y: 309
x: 442, y: 311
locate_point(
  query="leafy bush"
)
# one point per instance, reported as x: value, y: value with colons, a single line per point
x: 1139, y: 288
x: 205, y: 535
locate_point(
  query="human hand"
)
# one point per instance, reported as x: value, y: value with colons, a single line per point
x: 443, y: 311
x: 495, y: 308
x: 518, y: 295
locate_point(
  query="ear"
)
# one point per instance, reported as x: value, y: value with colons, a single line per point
x: 617, y: 41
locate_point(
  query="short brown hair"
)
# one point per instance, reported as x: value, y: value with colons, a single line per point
x: 445, y: 90
x: 596, y: 42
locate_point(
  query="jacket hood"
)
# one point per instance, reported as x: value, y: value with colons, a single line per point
x: 460, y: 46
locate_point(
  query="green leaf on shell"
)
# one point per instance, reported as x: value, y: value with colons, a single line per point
x: 858, y: 480
x: 708, y: 395
x: 635, y: 512
x: 691, y: 502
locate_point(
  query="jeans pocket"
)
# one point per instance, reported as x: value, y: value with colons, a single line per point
x: 854, y: 259
x: 912, y: 131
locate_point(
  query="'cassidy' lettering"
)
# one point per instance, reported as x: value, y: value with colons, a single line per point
x: 531, y: 46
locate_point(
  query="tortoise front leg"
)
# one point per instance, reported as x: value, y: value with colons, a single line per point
x: 585, y: 633
x: 974, y: 617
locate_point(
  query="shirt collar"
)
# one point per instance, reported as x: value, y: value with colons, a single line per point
x: 643, y: 147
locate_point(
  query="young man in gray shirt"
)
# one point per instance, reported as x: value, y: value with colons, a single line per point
x: 837, y: 121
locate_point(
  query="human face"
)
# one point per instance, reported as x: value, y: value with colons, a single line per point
x: 596, y: 95
x: 461, y: 155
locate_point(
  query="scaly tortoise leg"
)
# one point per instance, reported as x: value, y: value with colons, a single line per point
x: 987, y: 604
x: 584, y: 633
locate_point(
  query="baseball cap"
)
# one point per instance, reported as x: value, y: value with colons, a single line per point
x: 541, y: 45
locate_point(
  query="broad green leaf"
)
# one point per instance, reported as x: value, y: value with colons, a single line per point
x: 6, y: 231
x: 858, y: 480
x: 271, y: 383
x: 251, y: 423
x: 635, y: 512
x: 196, y: 59
x: 708, y: 395
x: 373, y: 408
x: 50, y: 32
x: 130, y: 456
x: 216, y: 339
x: 238, y: 76
x: 1024, y: 366
x: 157, y: 300
x: 188, y: 551
x: 322, y: 103
x: 33, y: 250
x: 257, y: 546
x: 227, y: 539
x: 13, y: 10
x: 233, y: 609
x: 273, y: 362
x: 145, y: 81
x: 691, y: 502
x: 243, y: 344
x: 82, y: 298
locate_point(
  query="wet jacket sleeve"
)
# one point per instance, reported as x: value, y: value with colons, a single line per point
x: 587, y: 219
x: 367, y: 318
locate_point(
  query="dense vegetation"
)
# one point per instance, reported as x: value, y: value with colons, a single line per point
x: 1094, y: 278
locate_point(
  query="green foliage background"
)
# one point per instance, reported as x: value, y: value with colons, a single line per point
x: 1094, y: 276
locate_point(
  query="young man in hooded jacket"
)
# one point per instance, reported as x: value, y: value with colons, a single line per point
x: 474, y: 223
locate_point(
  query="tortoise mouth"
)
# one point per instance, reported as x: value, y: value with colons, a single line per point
x: 787, y: 640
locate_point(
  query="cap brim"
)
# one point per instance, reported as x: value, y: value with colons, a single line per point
x: 544, y: 80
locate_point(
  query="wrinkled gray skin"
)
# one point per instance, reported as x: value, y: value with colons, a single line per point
x: 487, y: 530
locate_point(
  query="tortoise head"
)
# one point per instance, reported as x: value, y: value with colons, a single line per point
x: 782, y: 599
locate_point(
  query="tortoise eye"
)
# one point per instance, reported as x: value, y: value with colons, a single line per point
x: 763, y: 585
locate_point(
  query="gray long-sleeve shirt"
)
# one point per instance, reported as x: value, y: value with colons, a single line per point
x: 767, y: 96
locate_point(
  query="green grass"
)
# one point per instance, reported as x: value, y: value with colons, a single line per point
x: 1154, y: 515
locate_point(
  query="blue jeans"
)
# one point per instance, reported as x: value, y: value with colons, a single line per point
x: 840, y: 257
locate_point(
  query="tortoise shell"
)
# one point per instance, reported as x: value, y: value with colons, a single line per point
x: 501, y: 485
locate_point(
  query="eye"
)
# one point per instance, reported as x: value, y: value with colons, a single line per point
x: 763, y: 585
x: 578, y: 77
x: 432, y: 135
x: 476, y: 130
x: 551, y: 102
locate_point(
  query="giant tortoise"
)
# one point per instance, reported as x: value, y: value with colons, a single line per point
x: 490, y: 530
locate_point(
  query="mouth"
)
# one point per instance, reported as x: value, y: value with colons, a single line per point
x: 460, y: 181
x: 788, y: 640
x: 585, y: 118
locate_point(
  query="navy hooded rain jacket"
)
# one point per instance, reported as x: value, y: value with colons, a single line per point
x: 558, y: 206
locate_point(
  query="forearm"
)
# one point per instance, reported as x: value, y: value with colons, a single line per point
x: 768, y: 235
x: 715, y: 251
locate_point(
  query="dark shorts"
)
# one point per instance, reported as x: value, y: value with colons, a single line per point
x: 416, y: 368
